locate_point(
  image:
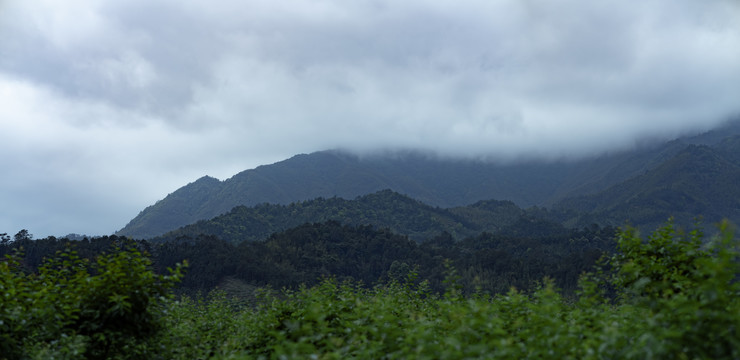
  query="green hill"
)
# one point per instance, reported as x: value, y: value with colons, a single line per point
x: 384, y: 209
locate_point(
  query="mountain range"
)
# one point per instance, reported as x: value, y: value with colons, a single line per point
x: 686, y: 177
x: 699, y: 181
x: 384, y: 209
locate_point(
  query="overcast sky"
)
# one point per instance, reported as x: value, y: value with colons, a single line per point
x: 107, y: 106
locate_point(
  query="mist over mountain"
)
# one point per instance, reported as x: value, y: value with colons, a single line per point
x: 699, y: 183
x: 609, y: 185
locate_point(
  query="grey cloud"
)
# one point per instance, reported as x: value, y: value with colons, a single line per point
x: 145, y: 96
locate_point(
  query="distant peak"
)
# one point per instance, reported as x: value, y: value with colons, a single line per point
x: 387, y: 194
x: 207, y: 178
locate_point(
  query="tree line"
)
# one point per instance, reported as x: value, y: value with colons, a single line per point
x: 306, y: 254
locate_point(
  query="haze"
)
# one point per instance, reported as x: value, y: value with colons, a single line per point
x: 107, y: 106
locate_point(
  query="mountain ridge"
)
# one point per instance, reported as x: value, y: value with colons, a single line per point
x: 384, y: 209
x: 434, y: 181
x: 699, y: 182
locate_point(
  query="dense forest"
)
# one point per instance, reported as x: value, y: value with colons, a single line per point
x: 310, y: 252
x: 384, y: 209
x: 673, y: 294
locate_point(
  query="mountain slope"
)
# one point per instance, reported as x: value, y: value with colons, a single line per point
x: 434, y: 181
x: 331, y: 173
x: 384, y: 209
x: 698, y: 181
x: 184, y: 206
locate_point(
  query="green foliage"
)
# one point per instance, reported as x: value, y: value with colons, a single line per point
x: 672, y: 295
x: 686, y: 288
x: 37, y: 308
x: 664, y: 266
x: 70, y: 308
x: 676, y: 298
x: 197, y: 328
x: 122, y: 303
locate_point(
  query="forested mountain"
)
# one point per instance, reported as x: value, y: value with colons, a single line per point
x: 437, y: 182
x: 336, y: 174
x: 304, y: 254
x: 699, y: 182
x: 384, y: 209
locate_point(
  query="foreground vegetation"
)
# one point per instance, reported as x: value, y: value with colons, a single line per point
x: 673, y: 295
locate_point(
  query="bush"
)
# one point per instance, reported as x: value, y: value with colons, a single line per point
x: 71, y: 309
x: 684, y: 288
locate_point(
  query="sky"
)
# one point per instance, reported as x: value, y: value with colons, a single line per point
x: 107, y: 106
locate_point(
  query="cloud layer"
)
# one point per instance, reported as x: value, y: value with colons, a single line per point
x: 108, y: 105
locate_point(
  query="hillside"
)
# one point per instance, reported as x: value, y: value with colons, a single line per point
x: 328, y: 174
x: 437, y: 182
x: 184, y: 206
x: 700, y: 181
x: 384, y: 209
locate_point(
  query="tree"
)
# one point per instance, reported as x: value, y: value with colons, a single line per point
x: 23, y: 235
x: 113, y: 308
x: 682, y: 288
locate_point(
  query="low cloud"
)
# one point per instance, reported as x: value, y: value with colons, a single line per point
x: 108, y: 105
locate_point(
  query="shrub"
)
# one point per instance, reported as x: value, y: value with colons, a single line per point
x: 71, y: 309
x: 684, y: 288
